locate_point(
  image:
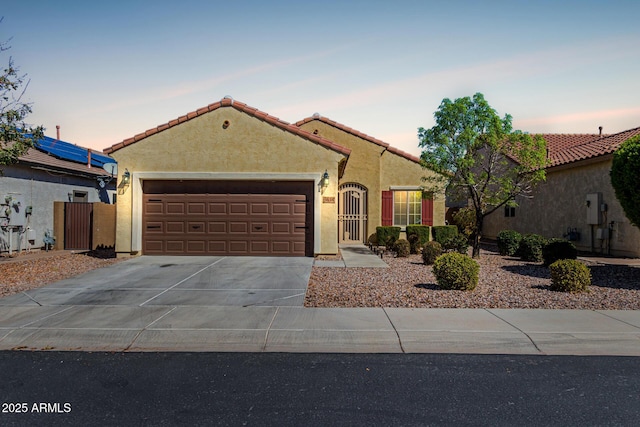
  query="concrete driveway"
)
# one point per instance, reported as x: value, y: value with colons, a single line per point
x: 181, y: 281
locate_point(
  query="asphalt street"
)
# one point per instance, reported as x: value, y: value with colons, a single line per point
x: 73, y: 388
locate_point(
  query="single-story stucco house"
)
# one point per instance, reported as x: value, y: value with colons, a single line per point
x: 577, y: 200
x: 54, y: 171
x: 228, y: 179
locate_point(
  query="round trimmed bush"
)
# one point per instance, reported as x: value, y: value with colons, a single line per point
x: 508, y: 242
x: 373, y: 239
x: 557, y: 249
x: 569, y: 275
x: 530, y: 248
x: 402, y: 248
x: 414, y: 243
x: 430, y: 251
x: 456, y: 271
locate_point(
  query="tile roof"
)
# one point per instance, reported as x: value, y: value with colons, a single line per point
x: 358, y: 134
x: 566, y: 148
x: 35, y: 157
x: 230, y: 102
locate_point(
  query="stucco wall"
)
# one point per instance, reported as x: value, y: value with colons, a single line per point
x: 40, y: 189
x: 377, y: 169
x: 398, y: 171
x: 363, y: 166
x: 560, y: 203
x: 202, y: 148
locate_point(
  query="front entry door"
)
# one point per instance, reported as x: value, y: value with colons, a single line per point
x: 352, y: 213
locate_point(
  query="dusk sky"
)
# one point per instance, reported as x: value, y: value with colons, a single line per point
x: 105, y: 71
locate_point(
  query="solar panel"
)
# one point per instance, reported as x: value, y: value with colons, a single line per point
x: 66, y: 151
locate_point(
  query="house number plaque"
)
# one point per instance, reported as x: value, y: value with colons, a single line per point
x: 328, y: 200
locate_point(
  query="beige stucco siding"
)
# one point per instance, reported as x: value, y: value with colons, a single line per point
x: 248, y: 148
x: 397, y: 171
x: 363, y: 166
x: 560, y: 203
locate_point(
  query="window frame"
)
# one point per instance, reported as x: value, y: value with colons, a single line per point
x: 408, y: 203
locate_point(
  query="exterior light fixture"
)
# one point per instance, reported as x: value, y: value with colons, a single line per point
x: 126, y: 177
x: 325, y: 179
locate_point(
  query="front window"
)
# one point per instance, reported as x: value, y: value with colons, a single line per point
x: 407, y: 208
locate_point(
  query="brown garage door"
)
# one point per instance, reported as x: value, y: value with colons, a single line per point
x: 227, y: 219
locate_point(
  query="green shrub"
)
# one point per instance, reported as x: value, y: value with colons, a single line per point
x: 530, y: 248
x: 569, y: 275
x: 417, y: 235
x: 373, y: 239
x: 557, y: 249
x: 456, y: 271
x: 441, y: 233
x: 458, y: 243
x: 430, y: 251
x: 465, y: 220
x: 387, y: 235
x: 402, y: 248
x: 508, y: 242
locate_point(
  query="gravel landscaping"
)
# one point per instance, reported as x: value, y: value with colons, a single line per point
x: 28, y: 271
x: 503, y: 283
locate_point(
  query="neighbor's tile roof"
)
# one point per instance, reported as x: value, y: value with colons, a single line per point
x: 358, y: 134
x: 229, y: 102
x: 35, y: 157
x: 567, y: 148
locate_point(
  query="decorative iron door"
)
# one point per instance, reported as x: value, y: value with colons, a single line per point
x: 352, y: 213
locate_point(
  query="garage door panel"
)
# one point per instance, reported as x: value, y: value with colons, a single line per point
x: 240, y: 247
x: 228, y: 223
x: 196, y: 227
x: 196, y: 246
x: 259, y: 228
x: 238, y: 208
x: 261, y: 208
x: 238, y: 227
x: 196, y: 208
x: 174, y: 227
x: 217, y: 227
x: 281, y: 209
x: 175, y: 246
x: 217, y: 247
x: 218, y: 208
x: 174, y: 208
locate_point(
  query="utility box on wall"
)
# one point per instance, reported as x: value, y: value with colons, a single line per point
x: 12, y: 210
x: 594, y: 200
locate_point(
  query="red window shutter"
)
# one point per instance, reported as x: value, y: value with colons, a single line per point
x: 427, y: 211
x: 387, y: 208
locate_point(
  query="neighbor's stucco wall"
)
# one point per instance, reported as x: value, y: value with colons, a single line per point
x: 248, y: 148
x: 40, y: 189
x: 560, y: 203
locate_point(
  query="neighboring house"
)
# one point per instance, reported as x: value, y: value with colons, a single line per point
x: 577, y: 200
x: 230, y: 179
x: 55, y: 171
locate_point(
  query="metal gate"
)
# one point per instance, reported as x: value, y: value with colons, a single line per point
x: 352, y: 213
x: 78, y: 219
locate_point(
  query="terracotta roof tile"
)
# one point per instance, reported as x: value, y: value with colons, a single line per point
x: 229, y: 102
x: 566, y: 148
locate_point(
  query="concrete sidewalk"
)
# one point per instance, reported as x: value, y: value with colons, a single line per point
x: 334, y: 330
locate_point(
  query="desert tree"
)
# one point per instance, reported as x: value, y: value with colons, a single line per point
x: 478, y: 157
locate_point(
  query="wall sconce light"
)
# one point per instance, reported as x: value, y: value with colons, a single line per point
x: 325, y: 179
x: 124, y: 181
x: 126, y: 177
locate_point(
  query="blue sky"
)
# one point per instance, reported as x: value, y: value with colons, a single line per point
x: 105, y: 71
